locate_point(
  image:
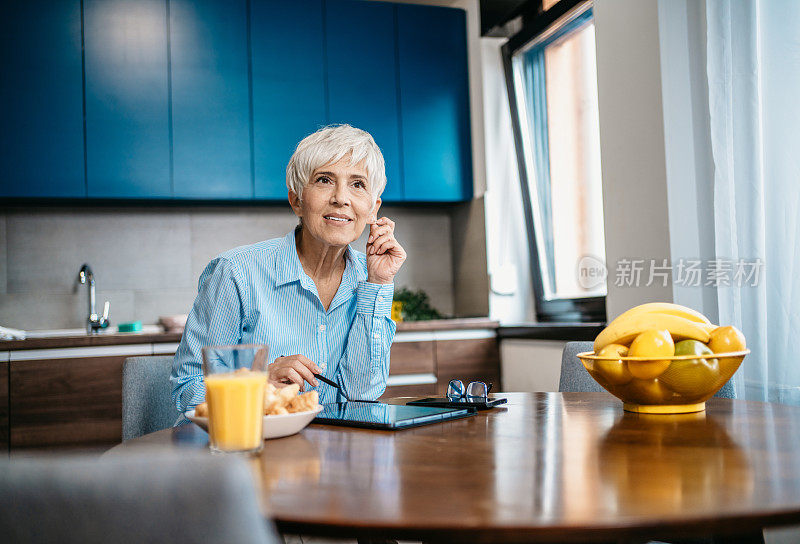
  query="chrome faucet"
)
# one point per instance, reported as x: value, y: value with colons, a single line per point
x: 94, y: 323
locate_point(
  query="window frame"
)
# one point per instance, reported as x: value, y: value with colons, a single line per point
x: 536, y: 24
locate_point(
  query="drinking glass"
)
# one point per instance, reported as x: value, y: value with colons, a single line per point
x: 235, y: 377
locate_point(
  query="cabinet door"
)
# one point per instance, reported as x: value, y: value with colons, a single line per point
x: 210, y: 102
x: 127, y: 120
x: 434, y: 103
x: 411, y: 360
x: 362, y: 77
x: 66, y: 402
x: 287, y: 41
x: 4, y: 444
x: 41, y: 144
x: 468, y: 360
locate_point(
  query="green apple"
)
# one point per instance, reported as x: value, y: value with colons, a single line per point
x: 691, y: 376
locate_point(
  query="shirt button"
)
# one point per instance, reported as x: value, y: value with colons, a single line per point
x: 323, y: 366
x: 322, y: 327
x: 376, y: 336
x: 380, y: 299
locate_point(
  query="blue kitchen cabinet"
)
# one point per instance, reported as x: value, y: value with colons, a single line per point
x: 41, y: 141
x: 434, y: 103
x: 210, y: 102
x: 362, y: 77
x: 127, y: 99
x: 289, y: 102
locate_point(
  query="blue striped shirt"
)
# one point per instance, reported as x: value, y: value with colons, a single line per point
x: 260, y: 294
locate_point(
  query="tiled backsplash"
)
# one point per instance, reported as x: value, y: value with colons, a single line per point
x: 147, y: 261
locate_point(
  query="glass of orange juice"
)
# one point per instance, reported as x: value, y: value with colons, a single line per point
x: 235, y: 377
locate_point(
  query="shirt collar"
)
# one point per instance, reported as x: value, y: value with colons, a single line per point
x: 289, y: 268
x: 287, y: 262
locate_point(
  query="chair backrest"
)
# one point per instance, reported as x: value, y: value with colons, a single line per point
x: 144, y: 497
x: 575, y: 378
x: 147, y: 396
x: 726, y: 392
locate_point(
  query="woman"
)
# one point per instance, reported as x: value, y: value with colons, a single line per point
x: 322, y: 307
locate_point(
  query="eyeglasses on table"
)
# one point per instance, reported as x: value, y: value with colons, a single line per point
x: 474, y: 390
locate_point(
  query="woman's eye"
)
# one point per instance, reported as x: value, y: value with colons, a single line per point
x: 360, y: 185
x: 323, y: 179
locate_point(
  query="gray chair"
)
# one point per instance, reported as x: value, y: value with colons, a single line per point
x: 575, y: 378
x: 147, y: 396
x: 144, y: 497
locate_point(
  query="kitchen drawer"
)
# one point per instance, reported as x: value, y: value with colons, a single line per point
x: 467, y: 360
x: 4, y: 449
x: 69, y: 402
x: 412, y: 358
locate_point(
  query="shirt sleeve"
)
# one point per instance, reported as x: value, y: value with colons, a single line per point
x: 364, y: 367
x: 216, y: 319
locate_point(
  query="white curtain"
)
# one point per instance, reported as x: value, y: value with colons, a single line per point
x: 753, y: 62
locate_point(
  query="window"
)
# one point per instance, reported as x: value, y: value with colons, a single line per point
x: 551, y: 72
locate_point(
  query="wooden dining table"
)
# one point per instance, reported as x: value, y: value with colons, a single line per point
x: 558, y: 467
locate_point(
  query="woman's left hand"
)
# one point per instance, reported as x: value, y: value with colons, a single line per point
x: 385, y: 255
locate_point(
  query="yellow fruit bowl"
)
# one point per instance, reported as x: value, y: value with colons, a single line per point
x: 663, y: 385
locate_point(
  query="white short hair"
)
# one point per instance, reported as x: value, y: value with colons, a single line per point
x: 329, y: 145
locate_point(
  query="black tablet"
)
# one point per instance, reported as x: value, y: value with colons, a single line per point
x: 386, y: 416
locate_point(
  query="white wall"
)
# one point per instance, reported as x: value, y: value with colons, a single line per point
x: 632, y: 145
x: 530, y: 365
x: 511, y: 297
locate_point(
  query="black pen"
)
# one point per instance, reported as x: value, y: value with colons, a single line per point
x: 332, y: 384
x: 336, y: 385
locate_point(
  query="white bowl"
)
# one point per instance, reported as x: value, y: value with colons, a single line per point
x: 274, y: 426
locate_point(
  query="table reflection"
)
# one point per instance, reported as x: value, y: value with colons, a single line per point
x: 286, y: 462
x: 362, y: 462
x: 672, y: 464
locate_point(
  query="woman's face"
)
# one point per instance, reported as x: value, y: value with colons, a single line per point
x: 336, y: 204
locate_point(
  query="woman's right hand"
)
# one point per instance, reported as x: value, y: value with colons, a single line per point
x: 293, y: 369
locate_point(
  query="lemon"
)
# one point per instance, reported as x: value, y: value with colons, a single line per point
x: 613, y: 369
x: 651, y: 343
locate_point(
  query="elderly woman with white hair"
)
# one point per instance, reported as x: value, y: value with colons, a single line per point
x: 321, y: 307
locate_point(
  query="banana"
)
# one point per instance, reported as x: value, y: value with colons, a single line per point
x: 625, y: 328
x: 667, y: 308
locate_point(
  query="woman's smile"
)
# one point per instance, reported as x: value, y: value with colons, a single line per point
x: 337, y: 219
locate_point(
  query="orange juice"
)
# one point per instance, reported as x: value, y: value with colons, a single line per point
x: 235, y: 410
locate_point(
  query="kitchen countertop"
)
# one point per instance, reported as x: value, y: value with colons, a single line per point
x: 112, y: 339
x: 550, y: 331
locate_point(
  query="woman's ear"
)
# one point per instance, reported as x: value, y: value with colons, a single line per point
x: 375, y: 209
x: 294, y: 202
